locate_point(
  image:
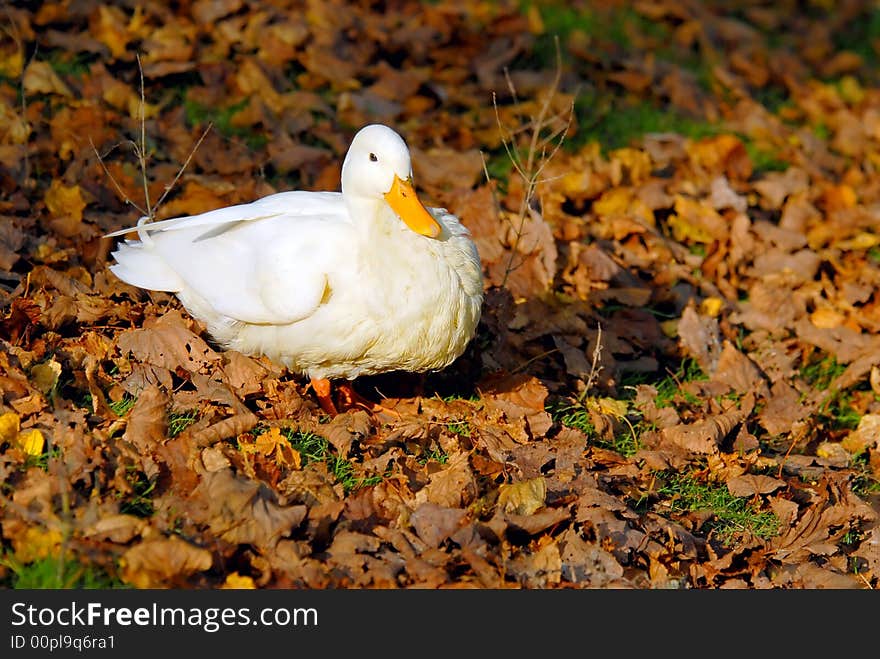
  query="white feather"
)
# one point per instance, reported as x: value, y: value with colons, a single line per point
x: 328, y: 284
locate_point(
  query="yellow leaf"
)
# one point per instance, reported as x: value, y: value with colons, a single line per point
x: 40, y: 78
x: 36, y: 543
x: 609, y: 406
x: 523, y: 497
x: 12, y: 125
x: 850, y: 90
x: 825, y: 318
x: 862, y: 240
x: 686, y: 232
x: 110, y: 29
x: 62, y: 200
x: 45, y: 375
x: 11, y: 64
x: 613, y: 202
x: 237, y: 581
x: 536, y: 23
x: 711, y: 306
x: 9, y: 427
x: 31, y: 441
x: 670, y: 327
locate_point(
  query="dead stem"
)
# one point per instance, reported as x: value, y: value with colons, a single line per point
x: 140, y: 150
x: 595, y: 369
x: 537, y: 156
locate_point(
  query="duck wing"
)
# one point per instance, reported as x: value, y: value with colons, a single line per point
x: 267, y: 262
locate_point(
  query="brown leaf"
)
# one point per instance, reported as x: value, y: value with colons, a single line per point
x: 345, y: 428
x: 737, y: 371
x: 116, y: 528
x: 519, y: 396
x: 822, y: 522
x: 40, y: 78
x: 148, y: 421
x: 865, y: 436
x: 700, y: 338
x: 244, y: 374
x: 163, y: 563
x: 166, y: 342
x: 536, y: 522
x: 242, y: 511
x: 750, y: 484
x: 783, y: 409
x: 453, y: 486
x: 540, y: 569
x: 704, y: 436
x: 434, y: 523
x: 65, y: 205
x: 584, y: 562
x: 445, y: 168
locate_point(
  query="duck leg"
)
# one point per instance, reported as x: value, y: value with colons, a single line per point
x: 321, y: 387
x: 349, y: 398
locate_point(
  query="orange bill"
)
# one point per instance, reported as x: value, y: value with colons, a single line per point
x: 403, y: 201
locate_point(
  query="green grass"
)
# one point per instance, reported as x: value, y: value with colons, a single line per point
x: 669, y: 388
x: 861, y: 35
x: 67, y: 63
x: 461, y: 428
x: 139, y: 503
x: 180, y: 421
x: 764, y: 159
x: 626, y: 441
x: 731, y: 516
x: 864, y: 483
x: 605, y: 28
x: 820, y: 373
x: 837, y: 411
x: 434, y: 455
x: 52, y: 573
x: 122, y: 406
x: 615, y: 123
x: 314, y: 448
x: 177, y: 421
x: 200, y: 115
x: 42, y: 461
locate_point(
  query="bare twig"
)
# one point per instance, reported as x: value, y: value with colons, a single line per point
x: 142, y: 151
x: 170, y: 186
x: 595, y: 369
x: 148, y: 212
x: 112, y: 178
x: 537, y: 156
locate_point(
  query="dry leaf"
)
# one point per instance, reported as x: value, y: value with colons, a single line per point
x: 162, y: 563
x: 522, y: 497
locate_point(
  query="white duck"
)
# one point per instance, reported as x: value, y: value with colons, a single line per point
x: 331, y: 285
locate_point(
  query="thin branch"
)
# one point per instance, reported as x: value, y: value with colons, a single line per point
x: 537, y: 157
x: 119, y: 189
x: 180, y: 171
x: 595, y: 369
x: 142, y: 151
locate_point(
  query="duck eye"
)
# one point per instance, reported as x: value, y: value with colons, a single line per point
x: 373, y: 157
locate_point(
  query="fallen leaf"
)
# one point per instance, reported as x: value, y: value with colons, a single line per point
x: 31, y: 441
x: 434, y: 523
x: 522, y: 497
x: 236, y: 581
x: 162, y: 562
x: 40, y: 78
x: 751, y: 484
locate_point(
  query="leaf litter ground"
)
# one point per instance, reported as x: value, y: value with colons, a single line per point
x: 676, y: 380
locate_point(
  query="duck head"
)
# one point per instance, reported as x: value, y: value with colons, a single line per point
x: 378, y: 167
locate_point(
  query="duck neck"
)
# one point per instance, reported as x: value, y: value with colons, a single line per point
x: 368, y: 215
